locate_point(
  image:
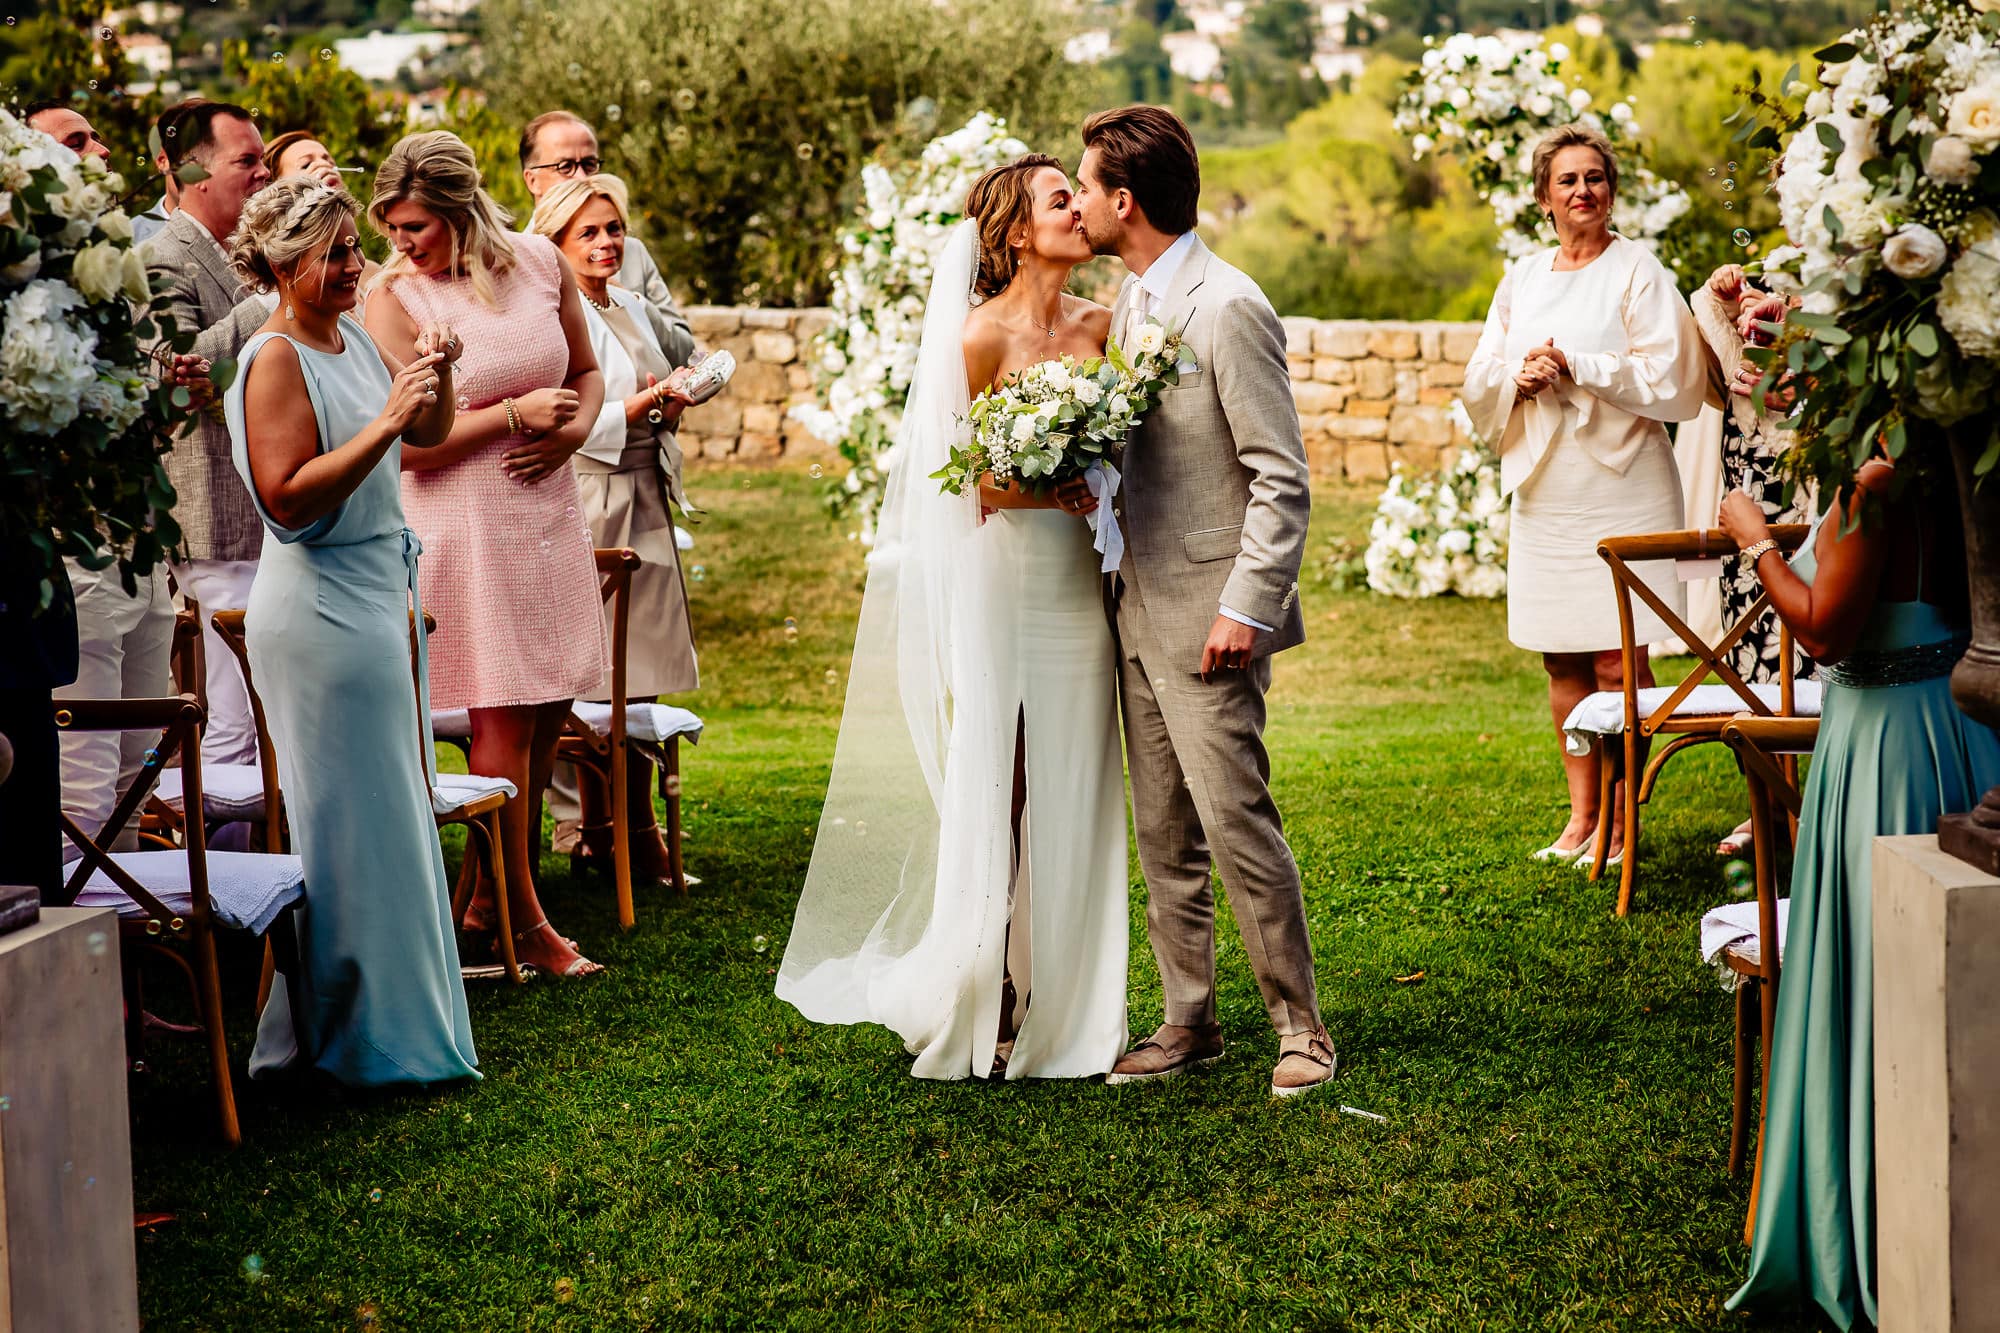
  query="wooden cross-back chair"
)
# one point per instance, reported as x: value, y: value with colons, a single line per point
x: 456, y: 799
x: 171, y: 903
x: 231, y: 793
x: 1767, y: 750
x: 1620, y: 724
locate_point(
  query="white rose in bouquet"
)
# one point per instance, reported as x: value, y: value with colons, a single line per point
x: 99, y: 270
x: 1024, y: 427
x: 1914, y: 251
x: 115, y: 226
x: 1951, y: 161
x: 1975, y: 114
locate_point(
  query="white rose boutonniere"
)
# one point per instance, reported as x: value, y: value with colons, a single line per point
x: 1150, y: 339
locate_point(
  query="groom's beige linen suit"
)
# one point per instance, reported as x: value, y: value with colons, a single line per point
x: 1214, y: 506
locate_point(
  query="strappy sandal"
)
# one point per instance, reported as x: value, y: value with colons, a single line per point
x: 472, y: 925
x: 579, y: 966
x: 1002, y: 1053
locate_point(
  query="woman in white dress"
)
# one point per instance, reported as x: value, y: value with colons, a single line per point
x: 968, y: 887
x: 1588, y: 350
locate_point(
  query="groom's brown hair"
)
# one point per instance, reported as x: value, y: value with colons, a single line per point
x: 1148, y: 151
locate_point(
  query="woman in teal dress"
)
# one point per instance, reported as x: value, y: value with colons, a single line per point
x: 1882, y: 609
x: 318, y: 417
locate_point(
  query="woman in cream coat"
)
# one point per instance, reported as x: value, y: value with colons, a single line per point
x: 627, y: 473
x: 1588, y: 351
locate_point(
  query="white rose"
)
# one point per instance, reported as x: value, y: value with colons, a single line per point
x: 98, y: 271
x: 1455, y: 542
x: 1557, y: 51
x: 115, y: 226
x: 1024, y: 427
x: 1621, y: 113
x: 1915, y: 251
x: 133, y: 277
x: 1820, y: 104
x: 1150, y: 340
x: 1541, y: 104
x: 1975, y: 114
x: 1951, y: 160
x: 1579, y: 98
x: 1087, y: 392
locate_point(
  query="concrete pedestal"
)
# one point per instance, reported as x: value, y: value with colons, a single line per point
x: 1937, y: 1090
x: 67, y: 1260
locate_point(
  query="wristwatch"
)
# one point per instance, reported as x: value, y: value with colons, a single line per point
x: 1755, y: 550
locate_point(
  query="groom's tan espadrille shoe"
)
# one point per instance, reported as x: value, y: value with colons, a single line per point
x: 1171, y: 1050
x: 1305, y: 1061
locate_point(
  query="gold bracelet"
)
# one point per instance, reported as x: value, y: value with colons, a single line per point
x: 513, y: 422
x: 1755, y: 550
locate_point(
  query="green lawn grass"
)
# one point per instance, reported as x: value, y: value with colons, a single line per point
x: 668, y: 1146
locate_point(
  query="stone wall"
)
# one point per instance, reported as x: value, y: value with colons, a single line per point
x: 1369, y: 394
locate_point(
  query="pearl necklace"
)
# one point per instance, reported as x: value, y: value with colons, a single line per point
x: 601, y: 305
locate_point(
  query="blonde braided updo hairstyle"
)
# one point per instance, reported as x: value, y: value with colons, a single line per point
x: 285, y: 222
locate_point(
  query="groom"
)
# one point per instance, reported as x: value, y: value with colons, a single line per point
x: 1215, y: 504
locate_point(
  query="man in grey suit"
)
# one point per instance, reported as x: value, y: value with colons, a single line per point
x: 1214, y: 506
x: 560, y: 145
x: 189, y: 266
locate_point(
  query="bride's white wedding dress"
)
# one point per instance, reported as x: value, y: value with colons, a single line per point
x: 973, y: 637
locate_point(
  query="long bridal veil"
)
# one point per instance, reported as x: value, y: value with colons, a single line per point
x: 905, y: 903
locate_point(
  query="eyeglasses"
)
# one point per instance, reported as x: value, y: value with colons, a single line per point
x: 568, y: 166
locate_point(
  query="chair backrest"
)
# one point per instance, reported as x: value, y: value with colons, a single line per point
x: 229, y: 627
x: 615, y: 567
x: 179, y: 721
x: 1621, y: 553
x: 1761, y: 745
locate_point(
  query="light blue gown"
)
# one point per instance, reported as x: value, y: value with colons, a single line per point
x: 1894, y: 753
x: 328, y: 629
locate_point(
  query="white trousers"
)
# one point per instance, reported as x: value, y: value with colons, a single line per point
x: 124, y: 643
x: 222, y: 585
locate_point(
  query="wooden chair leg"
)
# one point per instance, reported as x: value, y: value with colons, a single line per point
x: 1607, y: 785
x: 264, y: 979
x: 621, y: 831
x: 1628, y: 868
x: 135, y: 1008
x: 1739, y: 1108
x: 670, y: 793
x: 208, y: 992
x: 488, y: 825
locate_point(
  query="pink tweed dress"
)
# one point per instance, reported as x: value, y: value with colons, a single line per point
x: 506, y: 568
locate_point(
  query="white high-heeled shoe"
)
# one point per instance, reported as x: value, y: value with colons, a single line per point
x: 1562, y: 855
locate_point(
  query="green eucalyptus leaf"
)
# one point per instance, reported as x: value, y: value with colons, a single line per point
x: 1829, y: 136
x: 190, y: 173
x: 1923, y: 340
x: 1838, y: 53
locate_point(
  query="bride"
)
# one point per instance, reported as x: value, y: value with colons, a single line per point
x: 968, y: 887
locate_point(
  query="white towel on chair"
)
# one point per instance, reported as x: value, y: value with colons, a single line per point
x: 1736, y: 924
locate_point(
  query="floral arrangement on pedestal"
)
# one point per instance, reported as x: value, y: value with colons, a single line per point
x: 1442, y: 534
x: 82, y: 420
x: 867, y: 354
x: 1489, y: 100
x: 1890, y: 197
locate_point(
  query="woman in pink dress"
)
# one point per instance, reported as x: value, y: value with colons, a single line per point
x: 507, y: 567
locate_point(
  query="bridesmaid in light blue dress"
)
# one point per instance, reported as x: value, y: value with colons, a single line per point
x: 1894, y: 753
x: 318, y: 419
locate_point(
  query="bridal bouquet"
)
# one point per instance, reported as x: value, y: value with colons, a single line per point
x: 82, y: 423
x: 1060, y: 420
x: 1890, y: 194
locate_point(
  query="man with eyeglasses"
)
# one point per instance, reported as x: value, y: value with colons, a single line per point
x: 558, y: 146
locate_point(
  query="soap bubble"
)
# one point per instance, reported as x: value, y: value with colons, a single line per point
x: 277, y: 57
x: 699, y: 573
x: 98, y: 942
x: 1732, y: 166
x: 815, y: 471
x: 832, y: 676
x: 614, y: 112
x: 684, y: 99
x: 655, y: 415
x: 464, y: 402
x: 759, y: 943
x: 1729, y: 206
x: 1729, y: 184
x: 106, y: 33
x: 860, y: 828
x: 6, y: 1104
x: 804, y: 151
x: 326, y: 53
x: 1741, y: 879
x: 253, y: 1267
x: 1711, y: 171
x: 374, y: 1196
x: 575, y: 71
x: 643, y: 87
x: 1741, y: 236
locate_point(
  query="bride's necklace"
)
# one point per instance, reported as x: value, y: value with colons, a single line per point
x: 1045, y: 328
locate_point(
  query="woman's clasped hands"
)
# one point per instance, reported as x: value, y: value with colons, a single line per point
x: 1542, y: 367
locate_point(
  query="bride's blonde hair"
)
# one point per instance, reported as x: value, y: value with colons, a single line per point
x: 1000, y: 201
x: 435, y: 170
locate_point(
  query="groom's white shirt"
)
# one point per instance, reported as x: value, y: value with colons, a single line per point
x: 1154, y: 284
